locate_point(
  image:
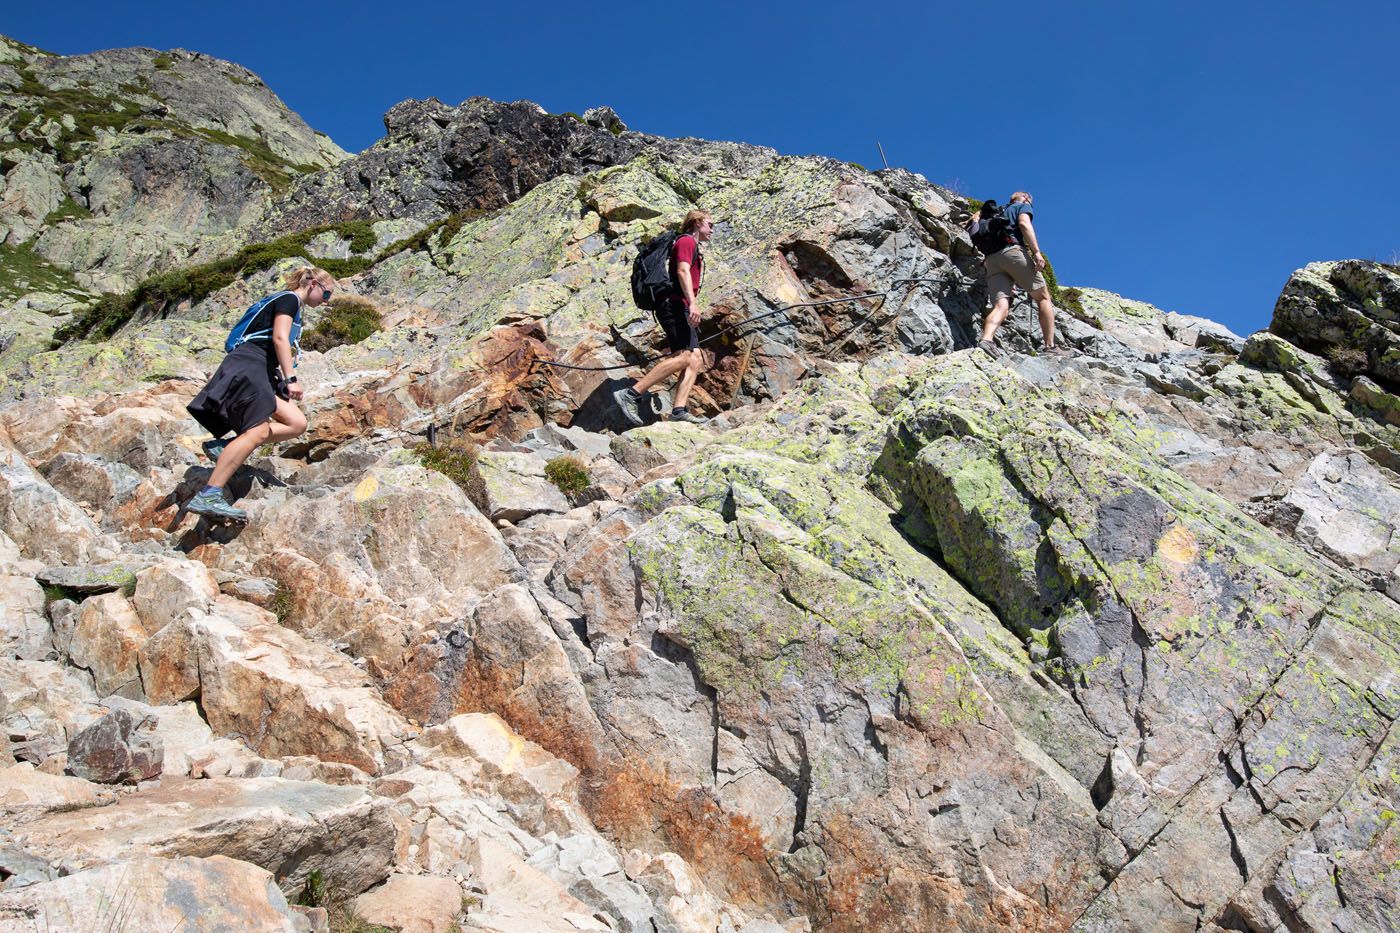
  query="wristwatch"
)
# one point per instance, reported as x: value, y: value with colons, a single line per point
x: 289, y: 379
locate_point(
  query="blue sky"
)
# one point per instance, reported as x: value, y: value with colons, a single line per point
x: 1189, y: 154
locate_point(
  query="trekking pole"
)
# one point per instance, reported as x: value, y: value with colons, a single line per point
x: 882, y: 154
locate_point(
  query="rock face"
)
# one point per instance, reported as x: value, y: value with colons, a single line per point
x: 118, y: 748
x: 902, y: 638
x: 437, y: 160
x: 123, y: 162
x: 215, y: 894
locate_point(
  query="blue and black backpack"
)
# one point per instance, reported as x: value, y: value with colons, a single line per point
x: 240, y: 334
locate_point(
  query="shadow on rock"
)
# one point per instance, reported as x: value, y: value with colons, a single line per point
x: 599, y: 412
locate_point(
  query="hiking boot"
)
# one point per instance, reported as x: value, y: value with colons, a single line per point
x: 212, y: 449
x: 1056, y: 351
x: 627, y: 400
x: 683, y: 414
x: 989, y: 348
x: 213, y: 506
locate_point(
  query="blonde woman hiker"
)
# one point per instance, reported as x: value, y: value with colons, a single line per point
x: 253, y: 391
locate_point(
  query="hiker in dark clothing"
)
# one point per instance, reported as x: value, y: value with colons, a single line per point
x: 679, y: 316
x: 253, y: 391
x: 1014, y: 257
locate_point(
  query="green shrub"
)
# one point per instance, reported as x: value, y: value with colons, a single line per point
x: 442, y: 230
x: 347, y: 319
x: 569, y: 474
x: 108, y: 314
x: 456, y: 458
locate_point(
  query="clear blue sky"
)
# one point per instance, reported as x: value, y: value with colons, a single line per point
x: 1187, y: 154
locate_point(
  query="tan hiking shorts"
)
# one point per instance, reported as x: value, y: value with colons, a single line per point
x: 1012, y: 264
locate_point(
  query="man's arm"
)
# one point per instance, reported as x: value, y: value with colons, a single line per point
x: 1028, y: 238
x: 972, y: 219
x: 687, y: 291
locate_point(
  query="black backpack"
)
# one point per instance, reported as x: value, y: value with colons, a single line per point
x: 994, y: 232
x: 651, y: 272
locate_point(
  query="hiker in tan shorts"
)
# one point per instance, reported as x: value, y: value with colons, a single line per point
x: 1012, y: 257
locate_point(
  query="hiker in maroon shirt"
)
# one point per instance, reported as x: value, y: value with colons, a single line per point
x: 679, y: 316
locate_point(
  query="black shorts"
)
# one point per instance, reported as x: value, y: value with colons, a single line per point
x: 675, y: 321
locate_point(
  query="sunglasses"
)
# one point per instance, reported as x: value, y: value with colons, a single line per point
x: 325, y: 294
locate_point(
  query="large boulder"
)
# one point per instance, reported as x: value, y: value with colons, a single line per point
x: 1352, y: 308
x: 217, y: 894
x: 117, y: 749
x: 289, y: 828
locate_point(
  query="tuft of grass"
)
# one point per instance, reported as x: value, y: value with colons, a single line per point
x: 163, y: 62
x: 568, y: 474
x: 53, y: 593
x: 1347, y: 361
x: 166, y: 290
x: 456, y: 458
x: 1068, y: 299
x: 69, y: 209
x: 338, y: 903
x: 282, y: 606
x: 347, y: 319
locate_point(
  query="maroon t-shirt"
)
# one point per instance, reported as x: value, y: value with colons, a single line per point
x: 687, y: 250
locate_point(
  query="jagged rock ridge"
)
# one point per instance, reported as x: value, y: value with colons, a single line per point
x: 906, y: 638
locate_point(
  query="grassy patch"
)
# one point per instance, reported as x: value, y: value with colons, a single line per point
x: 569, y: 474
x: 283, y: 605
x: 22, y: 270
x: 456, y: 458
x: 89, y: 112
x: 69, y: 209
x: 347, y: 319
x: 163, y: 62
x: 257, y: 156
x: 196, y: 283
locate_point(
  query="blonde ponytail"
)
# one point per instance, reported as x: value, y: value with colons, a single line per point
x: 306, y: 275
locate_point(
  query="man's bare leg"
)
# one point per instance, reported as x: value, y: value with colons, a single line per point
x: 1046, y: 311
x: 995, y: 318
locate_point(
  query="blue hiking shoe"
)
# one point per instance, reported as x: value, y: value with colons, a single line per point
x: 213, y: 448
x: 213, y: 506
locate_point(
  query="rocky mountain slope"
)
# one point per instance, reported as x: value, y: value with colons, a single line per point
x: 904, y: 638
